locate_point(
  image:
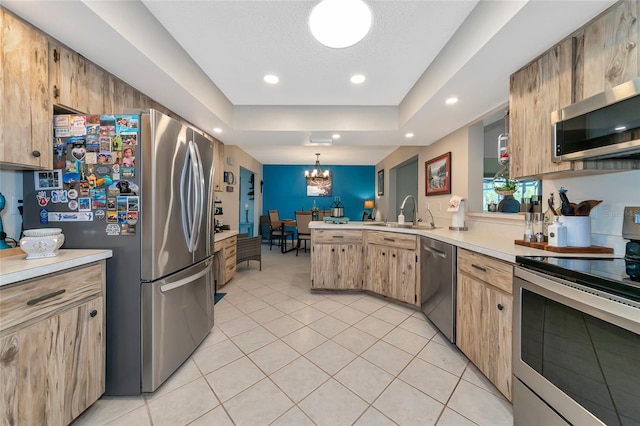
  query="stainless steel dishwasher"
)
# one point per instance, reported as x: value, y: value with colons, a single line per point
x: 438, y: 284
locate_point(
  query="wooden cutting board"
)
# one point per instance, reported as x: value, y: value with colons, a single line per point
x: 547, y: 247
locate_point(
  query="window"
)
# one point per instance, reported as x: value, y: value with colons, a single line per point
x: 526, y: 189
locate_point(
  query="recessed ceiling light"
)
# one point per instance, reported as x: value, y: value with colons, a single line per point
x: 335, y: 136
x: 217, y: 130
x: 358, y: 79
x: 451, y: 101
x: 271, y: 79
x: 408, y: 135
x: 340, y: 23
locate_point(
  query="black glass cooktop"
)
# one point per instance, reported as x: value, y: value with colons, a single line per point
x: 616, y: 276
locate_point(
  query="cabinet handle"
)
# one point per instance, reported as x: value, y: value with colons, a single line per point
x: 45, y: 297
x: 390, y: 239
x: 500, y: 306
x: 343, y: 250
x: 630, y: 45
x: 393, y: 255
x: 333, y: 249
x: 93, y: 313
x: 36, y: 153
x: 479, y: 267
x: 384, y: 254
x: 338, y: 236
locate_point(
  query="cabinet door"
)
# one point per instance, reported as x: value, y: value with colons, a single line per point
x: 25, y: 111
x: 402, y: 275
x: 535, y: 92
x: 499, y: 359
x: 218, y: 164
x: 471, y: 320
x: 610, y: 54
x: 53, y: 370
x: 377, y: 276
x: 349, y: 266
x: 322, y: 266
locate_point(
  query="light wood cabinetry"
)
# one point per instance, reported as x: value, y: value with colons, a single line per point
x: 391, y: 265
x: 226, y: 252
x: 484, y: 313
x: 25, y: 110
x: 598, y: 56
x: 607, y: 52
x: 218, y: 164
x: 535, y: 92
x: 336, y: 259
x: 52, y: 346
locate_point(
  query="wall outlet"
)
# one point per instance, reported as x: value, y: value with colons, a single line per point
x: 16, y: 201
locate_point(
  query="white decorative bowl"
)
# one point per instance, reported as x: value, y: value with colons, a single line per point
x: 40, y: 243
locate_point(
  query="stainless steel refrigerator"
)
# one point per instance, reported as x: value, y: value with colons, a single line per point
x: 144, y: 189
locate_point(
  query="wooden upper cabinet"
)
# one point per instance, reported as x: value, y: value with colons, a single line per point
x: 25, y: 111
x: 535, y: 92
x: 218, y: 164
x: 607, y: 52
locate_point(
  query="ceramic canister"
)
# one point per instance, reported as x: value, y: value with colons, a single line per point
x: 578, y: 230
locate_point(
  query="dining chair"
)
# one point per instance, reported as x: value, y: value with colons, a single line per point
x: 323, y: 213
x: 304, y: 232
x: 277, y: 231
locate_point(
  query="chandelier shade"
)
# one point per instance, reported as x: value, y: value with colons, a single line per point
x: 317, y: 172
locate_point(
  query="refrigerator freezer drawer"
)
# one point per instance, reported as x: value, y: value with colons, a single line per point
x: 177, y: 314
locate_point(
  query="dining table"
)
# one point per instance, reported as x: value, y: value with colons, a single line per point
x: 282, y: 224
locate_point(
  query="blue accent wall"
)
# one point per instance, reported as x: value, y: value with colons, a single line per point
x: 285, y: 189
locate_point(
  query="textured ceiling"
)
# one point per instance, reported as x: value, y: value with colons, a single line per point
x: 205, y: 60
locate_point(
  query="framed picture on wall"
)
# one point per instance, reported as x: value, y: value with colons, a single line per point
x: 437, y: 175
x: 319, y: 186
x: 381, y: 182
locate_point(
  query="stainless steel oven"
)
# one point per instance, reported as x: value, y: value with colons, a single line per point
x: 576, y: 342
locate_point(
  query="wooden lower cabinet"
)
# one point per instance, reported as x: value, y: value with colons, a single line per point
x: 226, y: 255
x: 391, y: 265
x: 336, y: 260
x: 53, y: 368
x: 483, y: 324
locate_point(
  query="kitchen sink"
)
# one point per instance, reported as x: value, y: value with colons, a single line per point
x: 403, y: 225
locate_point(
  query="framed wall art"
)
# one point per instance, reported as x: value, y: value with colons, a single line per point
x: 381, y: 182
x: 437, y: 175
x: 319, y: 186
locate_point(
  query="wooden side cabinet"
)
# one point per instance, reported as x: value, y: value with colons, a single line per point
x: 336, y: 259
x: 226, y: 255
x: 484, y: 313
x: 52, y: 346
x: 392, y: 265
x: 25, y: 111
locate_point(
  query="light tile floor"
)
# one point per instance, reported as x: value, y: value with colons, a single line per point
x: 281, y: 355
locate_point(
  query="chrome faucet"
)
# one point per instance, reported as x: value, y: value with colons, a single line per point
x: 415, y: 208
x: 433, y: 224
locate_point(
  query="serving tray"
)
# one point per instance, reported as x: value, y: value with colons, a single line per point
x: 546, y: 246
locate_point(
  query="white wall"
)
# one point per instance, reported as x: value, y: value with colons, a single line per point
x: 10, y: 186
x: 231, y: 200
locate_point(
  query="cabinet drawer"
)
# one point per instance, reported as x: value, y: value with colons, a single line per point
x: 230, y: 252
x: 392, y: 239
x: 492, y: 271
x: 230, y: 242
x: 323, y: 236
x: 39, y: 297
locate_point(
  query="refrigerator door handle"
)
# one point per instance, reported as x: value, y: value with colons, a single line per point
x: 184, y: 281
x: 200, y: 196
x: 185, y: 199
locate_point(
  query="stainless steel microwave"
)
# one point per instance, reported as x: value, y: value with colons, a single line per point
x: 606, y: 125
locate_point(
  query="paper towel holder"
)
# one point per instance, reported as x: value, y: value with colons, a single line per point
x: 456, y: 205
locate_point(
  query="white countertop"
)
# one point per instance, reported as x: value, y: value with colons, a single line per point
x: 17, y: 268
x: 491, y: 244
x: 219, y: 236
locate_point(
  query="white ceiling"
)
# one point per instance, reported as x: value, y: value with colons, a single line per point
x: 205, y: 60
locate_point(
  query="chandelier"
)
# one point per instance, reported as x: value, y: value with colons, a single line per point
x: 317, y: 172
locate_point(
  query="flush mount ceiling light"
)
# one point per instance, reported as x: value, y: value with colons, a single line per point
x: 358, y: 79
x: 320, y: 141
x: 408, y: 135
x: 335, y: 136
x: 217, y: 130
x: 451, y: 101
x: 271, y: 79
x: 340, y: 23
x: 317, y: 172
